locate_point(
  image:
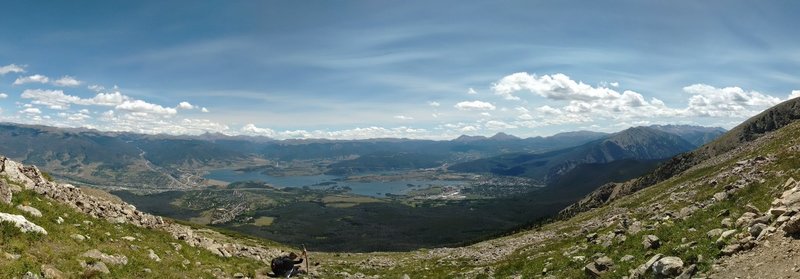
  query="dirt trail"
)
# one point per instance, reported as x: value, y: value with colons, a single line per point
x: 777, y: 257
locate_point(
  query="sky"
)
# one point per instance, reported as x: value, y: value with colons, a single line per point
x: 412, y: 69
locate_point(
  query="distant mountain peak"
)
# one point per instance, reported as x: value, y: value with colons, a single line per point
x: 468, y: 138
x: 503, y: 136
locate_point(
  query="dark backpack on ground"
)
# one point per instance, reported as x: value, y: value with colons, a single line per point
x: 282, y: 265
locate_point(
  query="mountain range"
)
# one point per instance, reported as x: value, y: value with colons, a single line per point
x: 728, y: 209
x: 637, y: 143
x: 155, y: 161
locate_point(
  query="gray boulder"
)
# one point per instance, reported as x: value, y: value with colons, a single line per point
x: 96, y: 267
x: 792, y: 226
x: 756, y: 229
x: 30, y: 210
x: 668, y: 266
x: 5, y: 192
x: 650, y: 241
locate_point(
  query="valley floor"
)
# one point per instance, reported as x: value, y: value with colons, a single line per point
x: 727, y: 217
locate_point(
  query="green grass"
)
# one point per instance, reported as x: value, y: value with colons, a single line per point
x: 530, y: 261
x: 60, y: 250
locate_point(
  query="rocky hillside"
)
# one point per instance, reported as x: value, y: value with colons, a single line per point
x: 56, y: 230
x: 750, y: 130
x: 638, y: 143
x: 733, y: 214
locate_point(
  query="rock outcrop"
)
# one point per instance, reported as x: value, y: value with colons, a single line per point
x: 116, y: 212
x: 20, y: 222
x: 5, y: 192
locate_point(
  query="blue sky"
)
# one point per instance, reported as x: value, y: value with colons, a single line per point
x: 418, y: 69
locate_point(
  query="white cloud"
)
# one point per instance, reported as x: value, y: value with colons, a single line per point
x: 31, y: 111
x: 555, y: 87
x: 486, y: 114
x: 108, y: 99
x: 474, y: 105
x: 54, y: 99
x: 3, y: 95
x: 75, y: 117
x: 467, y: 129
x: 140, y: 107
x: 196, y: 126
x: 57, y: 99
x: 11, y: 68
x: 548, y: 110
x: 96, y: 88
x: 204, y: 109
x: 434, y: 104
x: 586, y: 103
x: 355, y: 133
x: 795, y: 94
x: 498, y: 125
x: 185, y: 105
x: 614, y: 84
x: 31, y: 79
x: 710, y: 101
x: 67, y: 81
x: 471, y: 91
x: 251, y: 129
x: 403, y: 117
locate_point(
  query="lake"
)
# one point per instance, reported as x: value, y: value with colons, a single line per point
x: 323, y: 181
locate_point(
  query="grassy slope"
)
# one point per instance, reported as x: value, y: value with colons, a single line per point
x: 57, y: 248
x: 530, y: 260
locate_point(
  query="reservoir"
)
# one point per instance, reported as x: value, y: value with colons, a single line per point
x: 323, y: 181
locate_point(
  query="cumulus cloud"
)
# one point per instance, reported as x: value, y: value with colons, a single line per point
x: 96, y: 88
x: 31, y: 111
x: 586, y: 103
x: 403, y: 117
x: 548, y: 110
x: 251, y: 129
x: 468, y: 129
x: 195, y: 126
x: 710, y: 101
x: 75, y: 117
x: 355, y: 133
x: 185, y: 105
x: 67, y: 81
x: 57, y: 99
x: 434, y: 104
x: 3, y: 95
x: 795, y: 94
x: 471, y: 91
x: 31, y: 79
x: 474, y: 105
x: 108, y: 99
x: 54, y: 99
x: 141, y: 107
x: 498, y: 125
x: 204, y: 109
x: 11, y: 68
x: 556, y: 87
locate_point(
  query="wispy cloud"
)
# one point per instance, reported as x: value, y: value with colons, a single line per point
x: 11, y: 68
x: 31, y: 79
